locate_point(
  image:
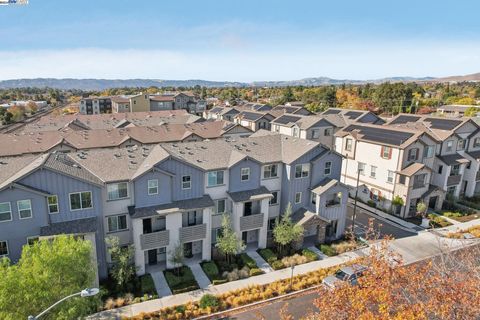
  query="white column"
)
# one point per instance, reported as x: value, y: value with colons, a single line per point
x: 173, y: 223
x: 262, y: 235
x: 207, y: 242
x: 91, y: 237
x: 139, y: 253
x: 237, y: 212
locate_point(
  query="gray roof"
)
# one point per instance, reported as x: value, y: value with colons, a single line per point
x: 79, y: 226
x: 250, y: 195
x: 13, y: 168
x: 64, y: 163
x: 453, y: 159
x: 302, y: 216
x: 175, y: 206
x: 324, y: 185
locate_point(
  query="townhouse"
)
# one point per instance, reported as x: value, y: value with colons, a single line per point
x: 158, y: 197
x: 413, y: 158
x: 254, y: 120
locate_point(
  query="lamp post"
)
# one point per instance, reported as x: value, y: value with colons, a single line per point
x: 291, y: 276
x: 355, y: 203
x: 88, y: 292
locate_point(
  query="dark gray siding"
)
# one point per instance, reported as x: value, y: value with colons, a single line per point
x: 235, y: 183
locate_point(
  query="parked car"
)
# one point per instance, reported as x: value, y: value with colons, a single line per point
x: 348, y: 274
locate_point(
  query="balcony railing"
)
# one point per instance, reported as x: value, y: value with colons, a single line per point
x: 331, y: 203
x: 193, y: 233
x: 251, y: 222
x: 155, y: 240
x: 454, y: 180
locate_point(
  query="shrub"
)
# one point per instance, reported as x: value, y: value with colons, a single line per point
x: 450, y: 214
x: 244, y: 272
x: 268, y: 255
x: 247, y: 261
x: 372, y: 203
x: 438, y: 222
x: 277, y: 265
x: 147, y: 285
x: 185, y: 289
x: 119, y: 302
x: 328, y: 250
x: 208, y: 300
x: 109, y: 304
x: 184, y: 282
x: 295, y: 260
x: 180, y: 309
x: 232, y: 275
x: 309, y: 254
x: 219, y: 281
x: 344, y: 246
x: 210, y: 269
x: 255, y: 272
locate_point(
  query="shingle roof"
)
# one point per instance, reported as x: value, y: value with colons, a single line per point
x: 250, y: 195
x: 324, y: 185
x: 175, y: 206
x: 452, y: 159
x: 78, y: 226
x: 302, y: 216
x: 380, y: 134
x: 64, y: 163
x: 411, y: 169
x: 13, y: 168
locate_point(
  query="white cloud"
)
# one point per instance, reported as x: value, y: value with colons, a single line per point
x: 238, y: 63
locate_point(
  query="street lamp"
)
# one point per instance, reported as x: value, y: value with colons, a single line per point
x: 88, y: 292
x: 291, y: 276
x: 356, y: 196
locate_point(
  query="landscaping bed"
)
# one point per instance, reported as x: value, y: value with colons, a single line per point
x: 278, y: 261
x: 140, y: 289
x: 438, y: 222
x: 220, y: 271
x: 338, y: 247
x: 460, y: 216
x: 181, y: 280
x: 474, y: 231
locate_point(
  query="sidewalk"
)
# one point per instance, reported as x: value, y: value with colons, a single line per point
x: 415, y: 248
x: 160, y: 284
x: 261, y: 264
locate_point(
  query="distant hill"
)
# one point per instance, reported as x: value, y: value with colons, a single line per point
x: 102, y: 84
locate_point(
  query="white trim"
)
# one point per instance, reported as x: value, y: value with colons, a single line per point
x: 117, y: 217
x: 189, y: 182
x: 277, y: 203
x: 33, y: 237
x: 301, y: 173
x: 216, y: 205
x: 80, y: 192
x: 18, y: 209
x: 329, y: 168
x: 10, y: 208
x: 48, y: 205
x: 300, y: 200
x: 148, y: 187
x: 241, y: 174
x: 8, y: 250
x: 117, y: 183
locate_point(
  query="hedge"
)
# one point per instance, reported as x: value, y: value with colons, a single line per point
x: 268, y: 255
x: 184, y: 282
x: 248, y: 261
x: 310, y: 255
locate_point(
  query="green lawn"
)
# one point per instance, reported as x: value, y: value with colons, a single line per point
x: 181, y: 280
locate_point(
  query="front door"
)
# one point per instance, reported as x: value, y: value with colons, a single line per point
x: 244, y: 237
x: 147, y: 225
x: 187, y: 250
x: 248, y: 209
x: 152, y: 256
x: 432, y: 203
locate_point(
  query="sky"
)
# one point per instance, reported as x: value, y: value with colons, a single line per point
x: 240, y: 40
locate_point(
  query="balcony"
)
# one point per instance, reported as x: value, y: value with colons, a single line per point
x: 454, y: 180
x: 193, y: 233
x: 331, y: 203
x: 251, y: 222
x: 154, y: 240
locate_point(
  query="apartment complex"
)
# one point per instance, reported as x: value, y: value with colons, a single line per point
x: 95, y: 105
x: 158, y: 197
x: 415, y: 158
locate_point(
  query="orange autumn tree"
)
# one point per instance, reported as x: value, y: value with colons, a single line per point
x: 446, y: 287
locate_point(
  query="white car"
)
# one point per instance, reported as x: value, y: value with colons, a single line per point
x: 348, y: 274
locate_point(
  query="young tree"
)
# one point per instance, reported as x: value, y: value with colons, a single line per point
x: 228, y: 243
x: 285, y: 231
x: 47, y: 272
x: 176, y: 257
x: 123, y: 269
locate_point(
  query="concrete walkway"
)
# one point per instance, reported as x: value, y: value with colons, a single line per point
x: 413, y: 249
x: 261, y: 263
x: 161, y: 284
x: 319, y: 253
x: 199, y: 275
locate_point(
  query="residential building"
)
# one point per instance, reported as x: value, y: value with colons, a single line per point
x: 453, y: 110
x: 254, y: 120
x: 158, y: 197
x: 95, y: 105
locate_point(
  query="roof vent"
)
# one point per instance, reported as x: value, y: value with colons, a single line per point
x: 203, y: 147
x: 199, y: 161
x: 191, y: 153
x: 133, y: 162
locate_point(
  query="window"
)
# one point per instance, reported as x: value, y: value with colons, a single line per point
x: 3, y: 248
x: 476, y: 142
x: 419, y: 181
x: 273, y: 201
x: 295, y: 132
x: 402, y: 179
x: 152, y: 186
x: 315, y: 134
x: 373, y: 171
x: 313, y: 198
x: 428, y: 151
x: 32, y: 240
x: 327, y: 132
x: 449, y: 145
x: 302, y: 170
x: 348, y: 145
x: 413, y: 154
x: 117, y: 223
x: 216, y: 233
x: 455, y: 170
x: 298, y: 197
x: 214, y: 178
x: 81, y: 200
x: 361, y: 168
x: 220, y: 206
x: 245, y: 174
x: 328, y: 168
x: 386, y: 152
x: 461, y: 144
x: 52, y: 202
x: 270, y: 171
x: 5, y: 211
x: 451, y: 190
x: 117, y: 191
x: 390, y: 176
x: 186, y: 182
x: 24, y: 209
x: 375, y: 194
x: 440, y: 169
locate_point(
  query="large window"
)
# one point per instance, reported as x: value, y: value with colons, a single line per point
x: 390, y: 176
x: 413, y: 154
x: 117, y: 191
x: 220, y: 206
x: 348, y: 144
x: 81, y: 200
x: 273, y: 201
x: 449, y: 145
x: 214, y: 178
x: 373, y: 171
x: 328, y: 132
x: 461, y: 144
x: 361, y: 168
x: 52, y: 202
x: 117, y: 223
x: 476, y: 142
x: 245, y: 174
x: 216, y: 233
x: 186, y: 182
x: 328, y: 168
x: 5, y: 211
x: 428, y: 151
x: 152, y: 187
x: 298, y: 197
x: 386, y: 152
x: 3, y: 248
x: 315, y: 134
x: 24, y: 208
x: 270, y: 171
x: 302, y: 170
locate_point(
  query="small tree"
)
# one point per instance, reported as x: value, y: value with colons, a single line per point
x: 228, y: 243
x: 176, y: 257
x: 422, y: 209
x: 285, y: 231
x: 123, y: 269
